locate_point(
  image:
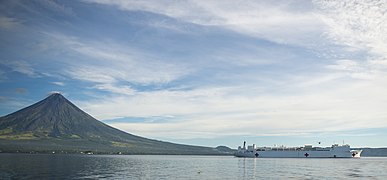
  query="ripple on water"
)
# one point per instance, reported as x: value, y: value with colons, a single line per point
x: 186, y: 167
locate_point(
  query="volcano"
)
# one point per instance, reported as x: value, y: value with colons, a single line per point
x: 57, y: 125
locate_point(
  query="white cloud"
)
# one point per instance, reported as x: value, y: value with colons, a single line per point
x: 355, y: 23
x: 125, y: 90
x: 109, y: 62
x: 58, y: 83
x: 153, y: 103
x: 355, y: 69
x: 344, y: 94
x: 359, y: 24
x: 21, y: 67
x: 285, y: 22
x: 360, y: 27
x: 92, y: 74
x: 215, y: 112
x: 345, y: 65
x: 54, y: 92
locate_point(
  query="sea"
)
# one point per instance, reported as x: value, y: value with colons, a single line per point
x: 63, y: 166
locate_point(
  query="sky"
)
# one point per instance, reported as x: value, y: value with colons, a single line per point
x: 205, y: 72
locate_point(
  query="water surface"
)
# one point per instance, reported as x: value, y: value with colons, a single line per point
x: 57, y: 166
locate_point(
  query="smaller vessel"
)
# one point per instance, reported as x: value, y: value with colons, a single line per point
x: 308, y: 151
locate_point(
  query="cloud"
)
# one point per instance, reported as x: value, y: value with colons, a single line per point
x: 58, y: 83
x: 54, y: 92
x: 355, y: 69
x: 285, y: 22
x: 357, y: 24
x: 22, y: 67
x: 302, y: 102
x: 108, y: 62
x: 125, y: 90
x: 152, y: 103
x: 8, y: 23
x: 91, y: 73
x: 345, y: 65
x: 216, y: 112
x: 338, y: 95
x: 56, y: 7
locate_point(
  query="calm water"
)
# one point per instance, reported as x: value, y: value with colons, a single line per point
x: 38, y: 166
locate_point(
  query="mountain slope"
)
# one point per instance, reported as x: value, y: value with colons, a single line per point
x: 56, y: 124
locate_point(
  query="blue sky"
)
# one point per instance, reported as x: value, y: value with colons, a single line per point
x: 205, y: 72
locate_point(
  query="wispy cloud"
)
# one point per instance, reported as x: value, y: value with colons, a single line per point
x: 285, y: 22
x: 330, y: 97
x: 56, y: 7
x: 8, y: 23
x: 21, y: 66
x: 125, y: 90
x: 359, y: 25
x: 229, y: 111
x: 109, y: 62
x: 58, y: 83
x: 91, y: 74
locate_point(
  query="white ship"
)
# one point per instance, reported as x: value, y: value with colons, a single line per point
x: 308, y: 151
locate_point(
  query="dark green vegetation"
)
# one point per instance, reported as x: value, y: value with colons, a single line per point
x: 56, y: 125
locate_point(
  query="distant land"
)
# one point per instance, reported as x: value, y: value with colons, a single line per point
x: 55, y: 125
x: 373, y: 152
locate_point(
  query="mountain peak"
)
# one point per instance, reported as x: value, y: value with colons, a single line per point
x: 54, y: 116
x: 55, y: 95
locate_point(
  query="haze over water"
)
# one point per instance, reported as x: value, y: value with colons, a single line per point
x: 39, y: 166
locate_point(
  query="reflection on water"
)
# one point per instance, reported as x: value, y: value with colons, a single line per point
x: 185, y: 167
x: 247, y: 168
